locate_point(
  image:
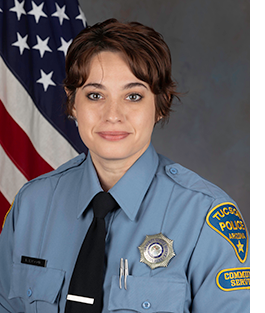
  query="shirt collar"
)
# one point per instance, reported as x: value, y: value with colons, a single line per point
x: 89, y: 186
x: 129, y: 191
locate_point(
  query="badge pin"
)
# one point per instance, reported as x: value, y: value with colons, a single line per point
x: 156, y: 251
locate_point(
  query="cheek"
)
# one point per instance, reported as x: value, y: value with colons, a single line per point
x: 87, y: 122
x: 145, y: 122
x: 86, y: 115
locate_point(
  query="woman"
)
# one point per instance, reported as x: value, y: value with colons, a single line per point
x: 174, y: 243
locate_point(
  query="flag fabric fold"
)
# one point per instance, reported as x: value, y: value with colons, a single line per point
x: 35, y: 134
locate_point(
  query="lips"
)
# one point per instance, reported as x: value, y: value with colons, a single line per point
x: 113, y: 135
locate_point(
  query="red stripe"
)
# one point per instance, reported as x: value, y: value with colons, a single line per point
x: 19, y: 148
x: 4, y: 207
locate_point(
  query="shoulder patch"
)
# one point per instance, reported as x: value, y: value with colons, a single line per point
x: 233, y: 279
x: 226, y: 219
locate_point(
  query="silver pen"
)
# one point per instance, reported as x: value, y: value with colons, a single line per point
x: 121, y: 272
x: 126, y: 273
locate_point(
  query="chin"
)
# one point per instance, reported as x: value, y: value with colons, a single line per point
x: 119, y: 151
x: 115, y: 155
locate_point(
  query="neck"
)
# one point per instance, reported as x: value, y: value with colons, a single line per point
x: 111, y: 171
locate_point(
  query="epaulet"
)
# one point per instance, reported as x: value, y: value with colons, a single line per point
x: 64, y: 167
x: 190, y: 180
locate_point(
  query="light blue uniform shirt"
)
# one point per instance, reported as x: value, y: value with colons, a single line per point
x: 50, y: 217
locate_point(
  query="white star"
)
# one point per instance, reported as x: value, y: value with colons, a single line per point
x: 37, y: 11
x: 42, y: 46
x: 81, y: 16
x: 46, y: 80
x: 60, y: 13
x: 21, y: 43
x: 65, y: 45
x: 18, y: 8
x: 1, y: 10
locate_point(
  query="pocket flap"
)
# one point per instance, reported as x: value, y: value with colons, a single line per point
x: 148, y: 294
x: 35, y: 283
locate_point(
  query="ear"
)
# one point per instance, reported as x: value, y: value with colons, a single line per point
x: 67, y: 92
x: 73, y: 113
x: 158, y: 119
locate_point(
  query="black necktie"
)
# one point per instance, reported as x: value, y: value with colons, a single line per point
x: 85, y: 292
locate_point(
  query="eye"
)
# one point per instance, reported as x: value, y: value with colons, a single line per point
x: 94, y: 96
x: 134, y: 97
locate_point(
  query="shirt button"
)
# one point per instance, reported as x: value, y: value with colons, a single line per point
x: 146, y: 305
x: 173, y: 170
x: 29, y: 292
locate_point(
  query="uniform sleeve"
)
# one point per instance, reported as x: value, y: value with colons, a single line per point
x: 6, y: 262
x: 219, y: 272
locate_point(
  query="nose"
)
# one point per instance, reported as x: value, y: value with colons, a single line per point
x: 113, y: 112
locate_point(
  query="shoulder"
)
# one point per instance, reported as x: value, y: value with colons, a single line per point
x: 189, y: 180
x: 35, y: 195
x: 71, y: 164
x: 196, y: 195
x: 203, y: 203
x: 206, y: 207
x: 49, y: 180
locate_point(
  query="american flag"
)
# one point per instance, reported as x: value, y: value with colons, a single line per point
x: 35, y: 134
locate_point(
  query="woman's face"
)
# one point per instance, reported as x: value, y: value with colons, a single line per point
x: 115, y: 110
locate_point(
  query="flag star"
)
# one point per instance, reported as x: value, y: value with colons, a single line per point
x: 21, y: 43
x: 65, y: 45
x: 37, y: 11
x: 81, y: 16
x: 42, y: 46
x: 1, y: 10
x: 60, y: 13
x: 18, y: 8
x: 46, y: 80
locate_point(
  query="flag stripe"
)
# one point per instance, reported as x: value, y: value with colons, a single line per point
x: 48, y: 142
x: 11, y: 178
x: 5, y: 205
x: 19, y: 148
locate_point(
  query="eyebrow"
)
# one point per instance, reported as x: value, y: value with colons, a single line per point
x: 127, y: 86
x: 132, y: 85
x: 95, y: 85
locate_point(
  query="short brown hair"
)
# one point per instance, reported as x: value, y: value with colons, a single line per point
x: 146, y: 53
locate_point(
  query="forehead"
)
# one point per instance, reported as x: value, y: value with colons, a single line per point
x: 109, y: 65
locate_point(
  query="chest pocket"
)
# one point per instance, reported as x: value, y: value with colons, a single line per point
x: 147, y: 295
x: 37, y: 287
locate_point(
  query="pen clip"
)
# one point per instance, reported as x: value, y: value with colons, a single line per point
x: 126, y: 273
x: 121, y: 272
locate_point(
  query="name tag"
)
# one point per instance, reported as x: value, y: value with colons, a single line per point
x: 33, y: 261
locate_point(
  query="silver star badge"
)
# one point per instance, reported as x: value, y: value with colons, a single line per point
x: 156, y: 251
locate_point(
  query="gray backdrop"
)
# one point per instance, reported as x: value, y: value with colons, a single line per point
x: 209, y: 41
